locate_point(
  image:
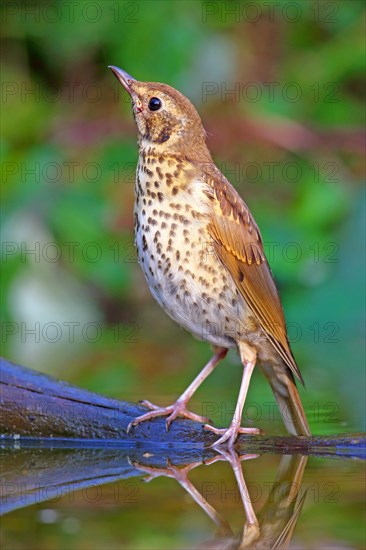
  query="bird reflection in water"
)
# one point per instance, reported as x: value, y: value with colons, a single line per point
x: 272, y: 527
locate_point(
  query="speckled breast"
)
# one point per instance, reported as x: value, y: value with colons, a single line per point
x: 179, y: 262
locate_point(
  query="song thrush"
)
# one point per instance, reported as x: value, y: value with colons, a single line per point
x: 202, y: 255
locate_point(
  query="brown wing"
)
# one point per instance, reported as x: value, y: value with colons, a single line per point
x: 239, y: 246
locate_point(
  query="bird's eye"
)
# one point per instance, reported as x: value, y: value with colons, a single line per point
x: 154, y: 104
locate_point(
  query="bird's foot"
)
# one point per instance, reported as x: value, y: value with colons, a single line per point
x: 230, y: 434
x: 226, y: 455
x: 172, y: 411
x: 180, y: 474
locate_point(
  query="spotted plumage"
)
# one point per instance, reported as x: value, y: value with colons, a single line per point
x: 202, y: 253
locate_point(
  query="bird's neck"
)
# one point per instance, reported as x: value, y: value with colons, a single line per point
x: 195, y: 152
x: 165, y: 173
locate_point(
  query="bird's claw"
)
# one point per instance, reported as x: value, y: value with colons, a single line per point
x: 180, y: 474
x: 148, y: 405
x: 172, y: 412
x: 230, y: 434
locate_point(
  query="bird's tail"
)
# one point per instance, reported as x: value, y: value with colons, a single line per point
x: 284, y: 388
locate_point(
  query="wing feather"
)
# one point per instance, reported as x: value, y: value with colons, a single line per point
x: 238, y: 244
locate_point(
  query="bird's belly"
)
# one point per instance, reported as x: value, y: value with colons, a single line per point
x: 187, y: 279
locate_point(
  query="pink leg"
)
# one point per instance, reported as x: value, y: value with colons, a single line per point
x: 179, y: 407
x: 181, y: 475
x: 251, y: 528
x: 232, y: 432
x: 252, y: 523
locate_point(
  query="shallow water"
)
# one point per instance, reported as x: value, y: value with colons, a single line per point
x: 97, y: 497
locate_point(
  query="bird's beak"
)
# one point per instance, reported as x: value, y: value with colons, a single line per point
x: 124, y: 78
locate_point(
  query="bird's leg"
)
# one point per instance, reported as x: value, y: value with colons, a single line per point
x: 181, y: 475
x: 251, y: 528
x: 230, y: 434
x: 179, y: 408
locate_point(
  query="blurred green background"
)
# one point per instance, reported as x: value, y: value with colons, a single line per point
x: 280, y: 89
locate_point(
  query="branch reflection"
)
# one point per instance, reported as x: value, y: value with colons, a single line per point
x: 32, y: 475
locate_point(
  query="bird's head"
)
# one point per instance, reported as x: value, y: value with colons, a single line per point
x: 166, y: 120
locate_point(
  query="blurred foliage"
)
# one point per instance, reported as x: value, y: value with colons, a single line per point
x: 280, y: 89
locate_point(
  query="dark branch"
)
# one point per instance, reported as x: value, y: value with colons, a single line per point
x: 36, y: 406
